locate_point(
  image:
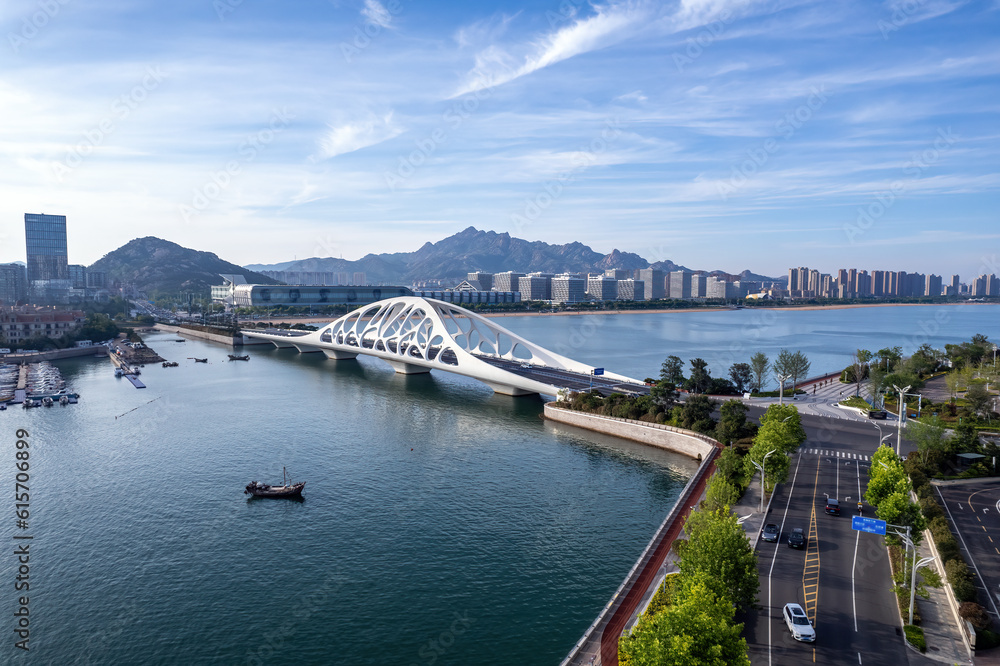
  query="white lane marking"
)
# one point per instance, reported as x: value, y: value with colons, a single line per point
x: 960, y: 507
x: 774, y: 557
x: 859, y: 654
x: 964, y: 547
x: 857, y: 540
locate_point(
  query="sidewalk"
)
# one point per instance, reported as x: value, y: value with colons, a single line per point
x: 944, y: 640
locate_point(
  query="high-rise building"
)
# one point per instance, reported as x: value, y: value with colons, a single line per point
x: 617, y: 273
x: 652, y: 278
x: 568, y: 289
x: 13, y: 283
x: 45, y: 239
x: 483, y: 279
x: 78, y: 276
x: 507, y: 281
x: 680, y: 284
x: 992, y: 285
x: 602, y: 288
x: 360, y: 279
x: 932, y: 285
x: 631, y: 290
x: 535, y: 287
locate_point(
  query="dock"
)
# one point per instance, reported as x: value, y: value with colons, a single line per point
x: 136, y: 382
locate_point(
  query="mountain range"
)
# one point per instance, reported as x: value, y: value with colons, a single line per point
x: 155, y: 265
x: 475, y: 250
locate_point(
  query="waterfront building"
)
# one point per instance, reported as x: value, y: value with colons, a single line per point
x: 483, y: 279
x: 653, y: 283
x: 602, y: 288
x: 266, y: 295
x: 618, y: 273
x: 699, y: 285
x: 20, y: 323
x: 507, y: 281
x: 48, y: 268
x: 932, y: 285
x: 568, y: 288
x: 536, y: 287
x: 680, y: 284
x: 631, y: 290
x: 466, y: 297
x: 13, y: 284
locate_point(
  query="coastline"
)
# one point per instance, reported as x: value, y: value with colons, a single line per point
x: 491, y: 315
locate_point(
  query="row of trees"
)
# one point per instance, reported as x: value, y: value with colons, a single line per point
x: 692, y: 618
x: 743, y: 377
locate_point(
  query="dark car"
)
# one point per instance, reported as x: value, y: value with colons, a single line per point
x: 877, y: 414
x: 770, y: 533
x: 833, y: 506
x: 797, y: 539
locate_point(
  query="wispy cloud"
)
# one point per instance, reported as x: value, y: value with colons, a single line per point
x: 496, y: 65
x: 376, y: 12
x: 348, y: 137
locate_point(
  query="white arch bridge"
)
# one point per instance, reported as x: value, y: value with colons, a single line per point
x: 417, y: 335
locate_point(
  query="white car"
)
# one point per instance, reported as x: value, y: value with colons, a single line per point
x: 798, y: 623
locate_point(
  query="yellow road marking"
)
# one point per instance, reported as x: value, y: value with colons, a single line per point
x: 810, y: 571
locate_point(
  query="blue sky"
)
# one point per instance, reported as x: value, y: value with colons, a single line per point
x: 719, y: 134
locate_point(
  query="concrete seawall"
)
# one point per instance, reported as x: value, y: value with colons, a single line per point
x: 55, y: 354
x: 229, y: 340
x: 686, y: 442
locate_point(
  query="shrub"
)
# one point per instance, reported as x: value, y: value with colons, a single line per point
x: 975, y: 614
x: 925, y: 492
x: 915, y: 637
x: 961, y: 580
x: 939, y: 527
x: 987, y: 639
x: 931, y: 508
x: 948, y: 549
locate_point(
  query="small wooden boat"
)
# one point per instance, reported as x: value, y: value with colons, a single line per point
x: 287, y: 489
x: 199, y: 360
x: 170, y: 364
x: 244, y: 357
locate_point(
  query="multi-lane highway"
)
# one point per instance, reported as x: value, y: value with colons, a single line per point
x: 841, y: 578
x: 975, y: 511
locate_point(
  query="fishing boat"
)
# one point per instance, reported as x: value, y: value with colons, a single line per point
x: 287, y: 489
x: 170, y: 364
x: 198, y: 360
x: 244, y: 357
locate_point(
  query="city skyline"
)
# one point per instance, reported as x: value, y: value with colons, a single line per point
x: 719, y: 135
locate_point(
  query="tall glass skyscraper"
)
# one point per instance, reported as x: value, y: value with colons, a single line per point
x: 45, y: 237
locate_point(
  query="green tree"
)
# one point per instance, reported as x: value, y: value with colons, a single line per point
x: 742, y: 376
x: 672, y: 370
x: 886, y: 476
x: 717, y: 546
x: 978, y: 399
x: 888, y: 357
x: 781, y: 425
x: 733, y: 423
x: 898, y: 509
x: 775, y: 464
x: 664, y: 395
x: 700, y: 378
x: 696, y: 414
x: 929, y: 435
x: 729, y: 463
x: 861, y: 359
x: 799, y: 368
x: 697, y: 628
x: 759, y: 365
x: 721, y: 492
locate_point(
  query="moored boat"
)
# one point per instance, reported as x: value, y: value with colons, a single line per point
x: 287, y: 489
x: 244, y: 357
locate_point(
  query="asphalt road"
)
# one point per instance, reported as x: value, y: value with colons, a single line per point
x: 842, y: 578
x: 975, y: 511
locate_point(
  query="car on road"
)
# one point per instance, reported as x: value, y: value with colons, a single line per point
x: 832, y: 506
x: 798, y: 623
x: 877, y: 414
x: 797, y: 539
x: 770, y: 532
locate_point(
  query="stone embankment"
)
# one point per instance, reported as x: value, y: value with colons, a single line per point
x: 686, y: 442
x: 231, y: 340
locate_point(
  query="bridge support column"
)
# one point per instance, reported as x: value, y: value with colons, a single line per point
x: 306, y: 349
x: 281, y: 344
x: 338, y: 355
x: 509, y: 390
x: 407, y: 368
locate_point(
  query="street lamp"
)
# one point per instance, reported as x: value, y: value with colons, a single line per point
x: 902, y: 406
x: 881, y: 437
x: 781, y: 386
x: 763, y: 488
x: 913, y: 579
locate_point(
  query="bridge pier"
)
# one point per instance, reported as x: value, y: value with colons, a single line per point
x: 407, y: 368
x: 281, y: 344
x: 306, y: 349
x: 339, y: 355
x: 508, y: 390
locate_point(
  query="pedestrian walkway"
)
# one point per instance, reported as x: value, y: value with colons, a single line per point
x: 944, y: 642
x: 847, y: 455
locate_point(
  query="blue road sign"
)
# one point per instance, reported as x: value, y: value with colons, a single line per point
x: 870, y: 525
x: 598, y: 371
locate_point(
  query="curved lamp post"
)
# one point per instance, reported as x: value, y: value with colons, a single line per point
x: 902, y: 406
x: 763, y: 488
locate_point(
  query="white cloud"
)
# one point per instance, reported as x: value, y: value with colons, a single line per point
x: 376, y: 12
x: 634, y: 96
x: 495, y: 66
x: 348, y: 137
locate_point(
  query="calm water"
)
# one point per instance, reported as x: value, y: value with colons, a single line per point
x: 442, y: 524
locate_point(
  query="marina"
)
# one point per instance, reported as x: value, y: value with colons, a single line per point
x: 33, y: 384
